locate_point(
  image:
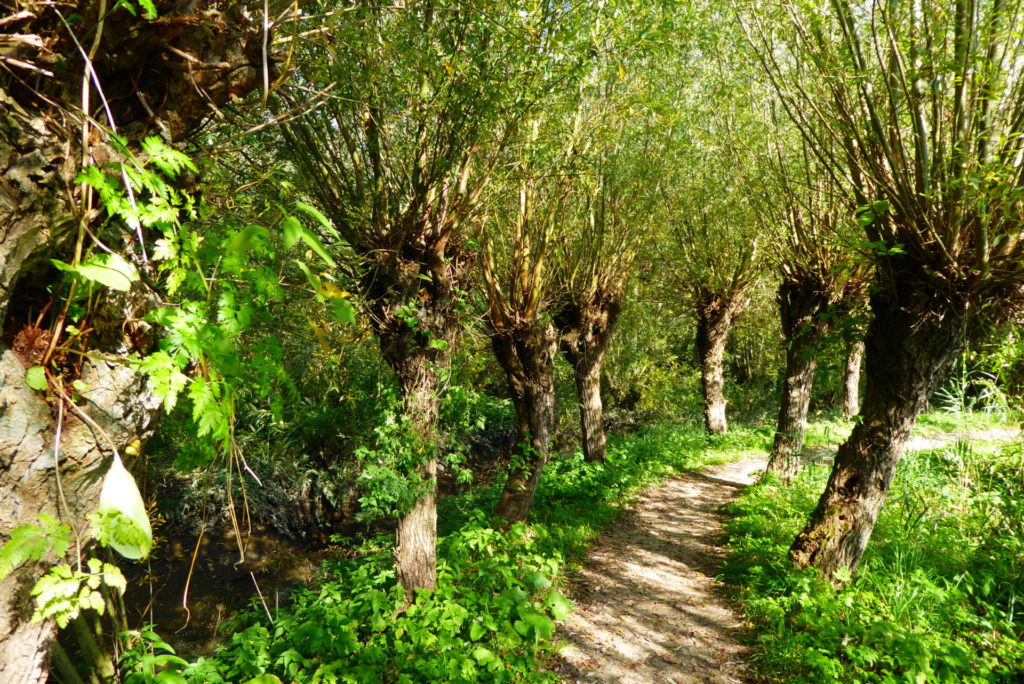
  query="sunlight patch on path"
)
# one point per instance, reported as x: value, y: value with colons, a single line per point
x: 648, y: 608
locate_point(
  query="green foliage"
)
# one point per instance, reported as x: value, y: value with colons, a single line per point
x: 63, y: 592
x: 110, y: 270
x: 121, y: 520
x: 35, y: 377
x: 493, y: 614
x: 29, y: 543
x: 976, y: 385
x: 390, y: 476
x: 117, y: 530
x: 148, y: 659
x: 934, y: 599
x: 148, y: 7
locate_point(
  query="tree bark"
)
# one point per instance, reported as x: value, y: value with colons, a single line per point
x: 416, y: 538
x: 911, y: 346
x: 851, y: 380
x: 527, y: 355
x: 585, y: 331
x: 149, y: 87
x: 715, y: 316
x: 588, y: 388
x: 801, y: 301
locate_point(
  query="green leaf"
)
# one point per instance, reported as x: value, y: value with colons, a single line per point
x: 149, y: 7
x: 313, y: 242
x: 536, y: 580
x: 169, y: 160
x: 292, y: 231
x: 476, y: 630
x: 343, y: 310
x: 314, y: 281
x: 319, y: 218
x: 484, y: 656
x: 32, y: 542
x: 533, y: 620
x: 243, y: 240
x: 35, y: 378
x: 559, y: 606
x: 438, y: 344
x: 106, y: 269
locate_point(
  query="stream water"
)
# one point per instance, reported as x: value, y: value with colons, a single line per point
x: 220, y: 582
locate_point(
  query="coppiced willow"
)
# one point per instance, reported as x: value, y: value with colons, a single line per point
x: 918, y: 107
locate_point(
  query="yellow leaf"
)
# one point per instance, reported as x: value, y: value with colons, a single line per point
x: 333, y: 291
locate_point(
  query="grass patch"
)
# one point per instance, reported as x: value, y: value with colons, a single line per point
x: 493, y: 615
x: 937, y: 597
x: 951, y: 421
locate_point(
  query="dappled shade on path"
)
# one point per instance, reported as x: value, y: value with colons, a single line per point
x: 648, y: 608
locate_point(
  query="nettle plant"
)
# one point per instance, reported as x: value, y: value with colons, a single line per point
x: 215, y: 281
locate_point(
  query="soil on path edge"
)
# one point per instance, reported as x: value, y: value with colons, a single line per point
x: 648, y: 608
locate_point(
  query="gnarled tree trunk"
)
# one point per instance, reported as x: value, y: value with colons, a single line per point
x: 801, y: 303
x: 527, y: 354
x: 911, y: 347
x: 851, y: 380
x: 715, y: 316
x: 585, y: 331
x: 148, y: 85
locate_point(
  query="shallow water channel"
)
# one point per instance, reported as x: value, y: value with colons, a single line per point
x: 222, y: 581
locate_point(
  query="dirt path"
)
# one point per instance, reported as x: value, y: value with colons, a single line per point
x: 648, y: 608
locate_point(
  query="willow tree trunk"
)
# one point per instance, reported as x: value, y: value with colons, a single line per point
x: 715, y: 316
x: 416, y: 538
x: 585, y: 331
x: 851, y: 380
x: 910, y: 350
x: 801, y: 303
x: 527, y: 355
x: 587, y: 375
x: 428, y: 271
x: 148, y: 72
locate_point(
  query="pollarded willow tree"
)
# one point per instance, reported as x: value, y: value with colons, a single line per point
x: 919, y: 108
x: 518, y: 236
x: 149, y: 77
x: 712, y: 174
x: 820, y: 274
x: 528, y: 215
x: 611, y: 216
x: 423, y: 100
x: 716, y: 237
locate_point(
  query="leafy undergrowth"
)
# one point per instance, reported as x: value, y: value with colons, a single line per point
x: 937, y: 597
x: 493, y: 615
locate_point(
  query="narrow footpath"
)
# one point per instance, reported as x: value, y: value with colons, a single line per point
x: 648, y: 608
